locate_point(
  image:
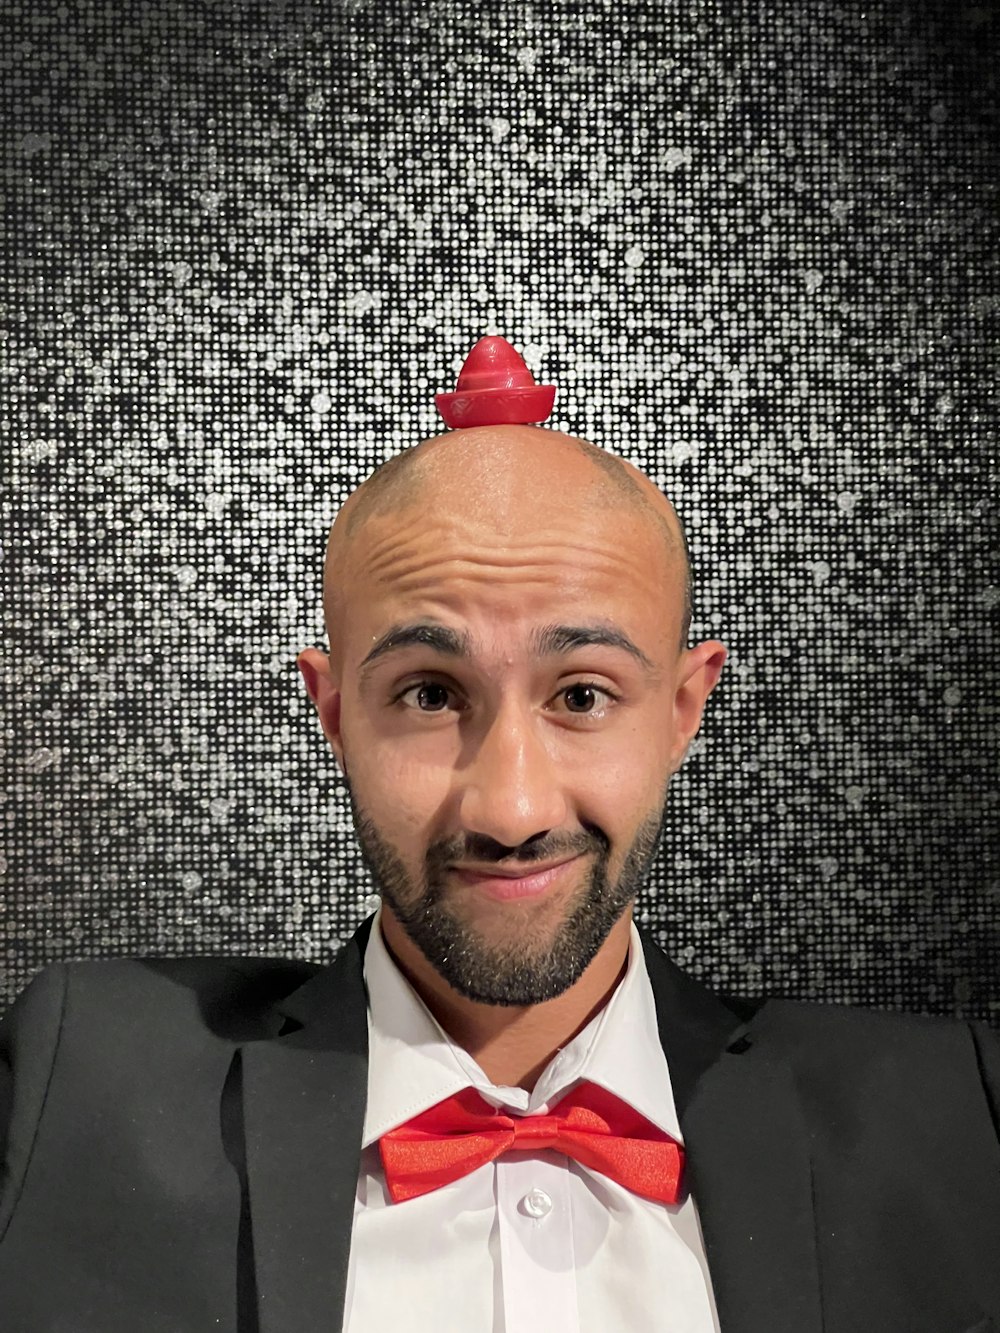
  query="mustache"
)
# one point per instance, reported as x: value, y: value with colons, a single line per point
x: 480, y: 848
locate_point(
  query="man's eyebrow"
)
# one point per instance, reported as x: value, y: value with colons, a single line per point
x: 546, y: 640
x: 564, y: 638
x: 438, y: 637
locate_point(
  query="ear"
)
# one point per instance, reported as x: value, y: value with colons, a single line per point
x: 324, y: 691
x: 697, y: 675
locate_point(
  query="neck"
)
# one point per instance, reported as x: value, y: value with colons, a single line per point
x: 512, y: 1044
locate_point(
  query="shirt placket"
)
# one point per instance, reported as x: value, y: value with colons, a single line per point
x: 538, y: 1278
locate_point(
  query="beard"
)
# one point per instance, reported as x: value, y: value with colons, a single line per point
x: 535, y: 964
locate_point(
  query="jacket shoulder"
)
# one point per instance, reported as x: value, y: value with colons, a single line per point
x: 210, y: 986
x: 857, y: 1023
x: 113, y: 1009
x: 870, y: 1057
x: 129, y: 1034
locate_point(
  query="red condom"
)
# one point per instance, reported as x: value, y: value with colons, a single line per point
x: 495, y: 388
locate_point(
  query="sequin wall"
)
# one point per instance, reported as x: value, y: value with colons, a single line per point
x: 755, y: 247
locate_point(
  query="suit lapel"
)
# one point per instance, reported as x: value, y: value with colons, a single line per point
x: 303, y: 1107
x: 746, y: 1147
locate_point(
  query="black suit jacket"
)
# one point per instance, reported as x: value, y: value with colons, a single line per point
x: 181, y: 1150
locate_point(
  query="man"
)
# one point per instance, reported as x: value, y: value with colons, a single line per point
x: 501, y: 1107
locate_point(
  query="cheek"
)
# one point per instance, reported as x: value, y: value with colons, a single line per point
x: 637, y: 764
x: 402, y: 768
x: 620, y: 806
x: 399, y: 790
x: 618, y: 786
x: 632, y: 790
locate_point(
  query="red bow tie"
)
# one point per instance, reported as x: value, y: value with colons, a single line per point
x: 592, y: 1126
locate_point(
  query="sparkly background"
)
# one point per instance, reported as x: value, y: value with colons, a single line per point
x: 755, y: 247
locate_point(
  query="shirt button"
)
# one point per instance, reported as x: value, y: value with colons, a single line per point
x: 536, y: 1203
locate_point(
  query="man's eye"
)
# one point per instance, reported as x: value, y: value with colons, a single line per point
x: 586, y: 698
x: 427, y: 696
x: 583, y: 699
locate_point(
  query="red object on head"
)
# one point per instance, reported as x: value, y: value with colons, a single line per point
x: 495, y: 388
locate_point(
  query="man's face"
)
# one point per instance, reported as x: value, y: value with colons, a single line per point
x: 507, y: 717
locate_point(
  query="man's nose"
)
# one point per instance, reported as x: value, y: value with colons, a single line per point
x: 511, y: 790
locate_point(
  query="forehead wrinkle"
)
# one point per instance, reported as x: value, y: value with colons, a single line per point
x: 471, y: 538
x: 404, y: 568
x: 382, y: 544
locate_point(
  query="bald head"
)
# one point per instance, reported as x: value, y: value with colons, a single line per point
x: 504, y: 476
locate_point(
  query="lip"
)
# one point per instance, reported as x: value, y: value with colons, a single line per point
x: 505, y: 885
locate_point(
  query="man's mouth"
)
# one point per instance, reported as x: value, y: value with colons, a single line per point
x: 507, y: 882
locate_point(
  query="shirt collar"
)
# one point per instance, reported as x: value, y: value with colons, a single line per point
x: 413, y: 1064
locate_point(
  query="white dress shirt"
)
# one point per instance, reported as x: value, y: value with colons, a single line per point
x: 524, y: 1244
